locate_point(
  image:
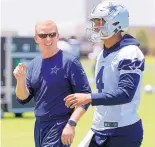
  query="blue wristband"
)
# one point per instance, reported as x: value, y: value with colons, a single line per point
x: 72, y: 123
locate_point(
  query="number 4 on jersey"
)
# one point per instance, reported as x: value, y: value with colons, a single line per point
x: 99, y: 82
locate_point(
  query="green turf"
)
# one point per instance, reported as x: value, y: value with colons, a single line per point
x: 18, y: 132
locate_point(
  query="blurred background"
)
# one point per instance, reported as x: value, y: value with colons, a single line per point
x: 18, y: 18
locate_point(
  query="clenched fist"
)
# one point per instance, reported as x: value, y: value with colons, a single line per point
x: 20, y: 72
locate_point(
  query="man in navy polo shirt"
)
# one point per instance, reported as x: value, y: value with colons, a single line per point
x: 49, y: 78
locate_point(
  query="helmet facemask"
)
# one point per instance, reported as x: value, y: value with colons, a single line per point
x: 94, y: 29
x: 97, y: 30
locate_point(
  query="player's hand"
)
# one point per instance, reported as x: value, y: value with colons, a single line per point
x: 68, y: 134
x: 20, y: 72
x: 77, y: 99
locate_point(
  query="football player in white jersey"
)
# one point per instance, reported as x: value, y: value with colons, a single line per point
x: 118, y: 74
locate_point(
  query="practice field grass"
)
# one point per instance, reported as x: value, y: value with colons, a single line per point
x: 18, y: 132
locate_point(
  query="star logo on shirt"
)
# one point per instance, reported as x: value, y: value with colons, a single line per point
x: 54, y: 70
x: 133, y: 66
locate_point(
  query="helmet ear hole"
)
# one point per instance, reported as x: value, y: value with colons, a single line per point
x: 116, y: 23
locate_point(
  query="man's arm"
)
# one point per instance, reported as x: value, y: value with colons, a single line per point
x: 78, y: 80
x: 130, y: 73
x: 79, y: 84
x: 23, y: 92
x: 77, y: 114
x: 69, y: 130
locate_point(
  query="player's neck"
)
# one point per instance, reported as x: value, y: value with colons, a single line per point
x: 113, y: 40
x: 49, y: 54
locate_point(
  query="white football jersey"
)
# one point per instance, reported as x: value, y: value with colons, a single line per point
x: 126, y: 60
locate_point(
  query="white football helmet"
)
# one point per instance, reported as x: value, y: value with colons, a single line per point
x: 113, y: 19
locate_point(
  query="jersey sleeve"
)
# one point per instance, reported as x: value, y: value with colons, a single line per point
x: 78, y: 79
x: 28, y: 84
x: 130, y: 67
